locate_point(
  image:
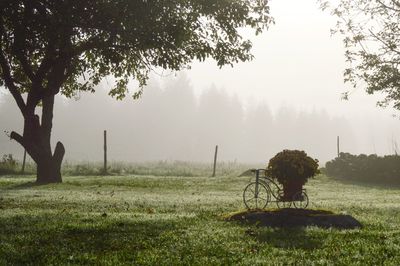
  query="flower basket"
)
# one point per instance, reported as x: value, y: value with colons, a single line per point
x: 290, y: 189
x: 292, y: 169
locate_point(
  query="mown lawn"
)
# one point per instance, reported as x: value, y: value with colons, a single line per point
x: 150, y: 220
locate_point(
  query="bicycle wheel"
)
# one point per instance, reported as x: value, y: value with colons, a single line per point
x: 282, y: 204
x: 300, y: 200
x: 256, y: 196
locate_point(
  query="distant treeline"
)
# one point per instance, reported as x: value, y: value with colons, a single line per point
x: 170, y: 122
x: 370, y: 168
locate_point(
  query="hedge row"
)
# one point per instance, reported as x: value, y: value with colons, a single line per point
x: 371, y: 168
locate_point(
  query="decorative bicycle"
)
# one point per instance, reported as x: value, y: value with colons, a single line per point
x: 262, y: 190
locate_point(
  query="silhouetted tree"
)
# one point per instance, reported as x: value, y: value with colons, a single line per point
x: 49, y: 47
x: 371, y: 30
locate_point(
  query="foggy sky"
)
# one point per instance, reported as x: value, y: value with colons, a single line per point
x: 288, y: 97
x: 171, y: 123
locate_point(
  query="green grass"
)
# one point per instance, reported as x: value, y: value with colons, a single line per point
x: 155, y: 168
x: 150, y: 220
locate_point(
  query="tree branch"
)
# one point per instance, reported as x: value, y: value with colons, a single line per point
x: 395, y: 2
x: 18, y: 138
x: 18, y: 46
x: 389, y: 7
x: 383, y: 42
x: 46, y: 63
x: 92, y: 43
x: 6, y: 75
x: 24, y: 63
x: 32, y: 151
x: 59, y: 152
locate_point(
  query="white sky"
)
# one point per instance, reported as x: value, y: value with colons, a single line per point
x: 299, y: 64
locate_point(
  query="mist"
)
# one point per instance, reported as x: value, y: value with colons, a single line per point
x: 170, y: 122
x: 288, y: 97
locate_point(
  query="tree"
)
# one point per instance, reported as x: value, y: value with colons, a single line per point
x: 371, y: 30
x: 51, y: 47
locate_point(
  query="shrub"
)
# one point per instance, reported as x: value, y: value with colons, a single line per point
x: 8, y: 164
x: 371, y: 168
x: 292, y: 165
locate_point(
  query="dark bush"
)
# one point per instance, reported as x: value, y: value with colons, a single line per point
x: 292, y: 165
x: 371, y: 168
x: 8, y: 165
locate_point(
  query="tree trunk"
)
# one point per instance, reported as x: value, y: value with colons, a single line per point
x: 48, y: 172
x: 49, y: 167
x: 36, y: 141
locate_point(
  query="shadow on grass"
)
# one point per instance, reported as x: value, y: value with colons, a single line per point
x: 366, y: 184
x: 49, y: 239
x: 15, y: 175
x: 293, y: 238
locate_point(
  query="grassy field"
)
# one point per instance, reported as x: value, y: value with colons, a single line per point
x: 150, y: 220
x: 154, y: 168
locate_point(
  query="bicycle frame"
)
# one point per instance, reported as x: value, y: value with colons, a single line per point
x: 270, y: 192
x: 267, y: 182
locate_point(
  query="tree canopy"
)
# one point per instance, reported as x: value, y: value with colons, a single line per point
x: 371, y: 30
x: 84, y: 41
x: 49, y: 47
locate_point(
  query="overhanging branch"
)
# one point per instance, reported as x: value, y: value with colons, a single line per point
x: 29, y: 147
x: 6, y: 76
x: 18, y: 138
x: 19, y: 45
x: 390, y: 7
x: 396, y: 3
x: 387, y: 45
x: 46, y: 63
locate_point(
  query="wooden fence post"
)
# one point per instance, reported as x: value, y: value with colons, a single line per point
x: 215, y: 160
x: 105, y: 151
x: 338, y: 146
x: 23, y: 163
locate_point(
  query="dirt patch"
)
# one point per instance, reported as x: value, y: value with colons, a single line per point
x: 296, y: 218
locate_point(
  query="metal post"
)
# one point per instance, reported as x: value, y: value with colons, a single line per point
x: 338, y: 146
x: 23, y: 163
x: 105, y: 151
x: 215, y: 160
